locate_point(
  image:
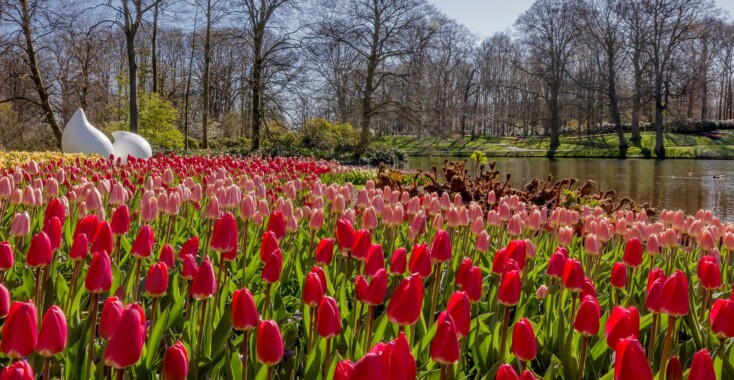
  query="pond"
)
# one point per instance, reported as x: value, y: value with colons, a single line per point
x: 688, y: 185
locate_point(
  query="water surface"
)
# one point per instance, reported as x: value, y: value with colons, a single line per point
x: 688, y: 185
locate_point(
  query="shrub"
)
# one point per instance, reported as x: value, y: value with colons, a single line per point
x: 377, y: 153
x: 156, y: 121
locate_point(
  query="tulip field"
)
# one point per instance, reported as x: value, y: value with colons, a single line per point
x: 216, y: 267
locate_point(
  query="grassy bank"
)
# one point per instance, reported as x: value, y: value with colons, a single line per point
x: 677, y: 145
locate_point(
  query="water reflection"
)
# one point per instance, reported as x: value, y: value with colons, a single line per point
x: 688, y: 185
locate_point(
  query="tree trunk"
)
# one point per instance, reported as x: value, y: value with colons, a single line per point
x: 256, y: 102
x: 555, y: 119
x: 205, y: 79
x: 704, y: 80
x: 132, y: 69
x: 637, y: 96
x: 154, y: 47
x: 614, y: 103
x: 659, y: 147
x: 48, y: 113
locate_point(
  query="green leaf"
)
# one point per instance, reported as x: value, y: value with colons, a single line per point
x: 155, y: 338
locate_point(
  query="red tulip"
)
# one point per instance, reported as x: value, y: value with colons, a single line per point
x: 618, y: 277
x: 4, y: 301
x: 460, y: 310
x: 120, y: 222
x: 204, y: 285
x: 621, y: 324
x: 405, y: 305
x: 398, y: 262
x: 175, y: 363
x: 374, y: 261
x: 397, y: 361
x: 473, y: 284
x: 721, y: 317
x: 524, y: 345
x: 556, y: 265
x: 244, y: 311
x: 702, y: 367
x: 19, y: 370
x: 328, y: 320
x: 40, y: 253
x: 143, y: 245
x: 674, y: 296
x: 269, y: 343
x: 506, y: 372
x: 709, y: 273
x: 633, y: 253
x: 7, y: 258
x: 190, y: 247
x: 54, y: 209
x: 510, y: 288
x: 87, y: 226
x: 225, y: 235
x: 156, y: 283
x: 167, y: 256
x: 631, y: 362
x: 573, y: 276
x: 52, y: 338
x: 344, y: 370
x: 653, y: 275
x: 344, y: 234
x: 654, y: 291
x: 322, y: 276
x: 325, y: 251
x: 276, y: 224
x: 20, y: 334
x: 441, y: 247
x: 103, y: 239
x: 517, y: 250
x: 373, y: 293
x: 589, y: 289
x: 111, y: 312
x: 461, y: 273
x: 361, y: 244
x: 587, y: 318
x: 420, y: 260
x: 126, y: 344
x: 272, y: 269
x: 268, y: 246
x: 498, y: 264
x: 445, y: 344
x: 313, y: 290
x: 53, y: 229
x: 190, y: 269
x: 99, y: 274
x: 370, y: 367
x: 79, y: 248
x: 674, y: 370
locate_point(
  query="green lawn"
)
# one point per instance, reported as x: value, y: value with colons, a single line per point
x: 676, y: 146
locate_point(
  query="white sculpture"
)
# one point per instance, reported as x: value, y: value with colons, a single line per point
x: 129, y: 144
x: 82, y: 137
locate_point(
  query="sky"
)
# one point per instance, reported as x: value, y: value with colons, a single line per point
x: 485, y: 17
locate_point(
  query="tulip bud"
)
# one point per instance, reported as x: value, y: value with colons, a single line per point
x: 120, y: 222
x: 622, y: 323
x: 506, y: 372
x: 52, y: 338
x: 21, y: 224
x: 344, y: 234
x: 190, y: 269
x: 225, y: 235
x: 441, y: 247
x: 166, y: 256
x: 398, y: 262
x: 721, y: 317
x: 313, y: 290
x: 524, y: 345
x: 269, y: 343
x: 79, y: 248
x: 405, y: 305
x: 631, y: 362
x: 204, y: 285
x: 361, y: 244
x: 244, y: 312
x: 510, y: 288
x: 111, y: 312
x: 7, y: 258
x: 374, y: 292
x: 126, y: 344
x: 618, y: 277
x: 587, y: 318
x: 633, y: 253
x: 344, y: 370
x: 573, y: 276
x: 272, y: 268
x: 674, y: 370
x: 53, y: 230
x: 156, y: 283
x: 103, y: 240
x: 445, y: 344
x: 328, y: 320
x: 99, y: 274
x: 325, y: 251
x: 460, y: 310
x: 19, y: 370
x: 40, y: 253
x: 143, y: 245
x: 4, y: 301
x: 674, y: 296
x: 19, y: 334
x: 175, y: 363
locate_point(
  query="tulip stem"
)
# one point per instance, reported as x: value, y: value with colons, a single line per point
x: 503, y: 341
x: 46, y: 368
x: 245, y: 353
x: 120, y: 374
x: 443, y: 372
x: 220, y: 288
x: 117, y: 250
x: 267, y: 301
x: 270, y: 373
x: 201, y: 328
x: 35, y: 286
x: 436, y: 280
x: 328, y: 358
x: 666, y: 346
x: 137, y: 279
x: 582, y: 358
x: 153, y: 309
x: 93, y: 304
x: 312, y: 316
x: 72, y: 285
x: 653, y: 333
x: 370, y: 322
x: 244, y: 250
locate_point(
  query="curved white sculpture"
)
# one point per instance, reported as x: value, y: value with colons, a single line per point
x: 81, y: 137
x: 128, y: 144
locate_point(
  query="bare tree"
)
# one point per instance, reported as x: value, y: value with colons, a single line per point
x: 548, y: 32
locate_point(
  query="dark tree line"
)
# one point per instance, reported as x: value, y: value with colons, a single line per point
x: 253, y: 68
